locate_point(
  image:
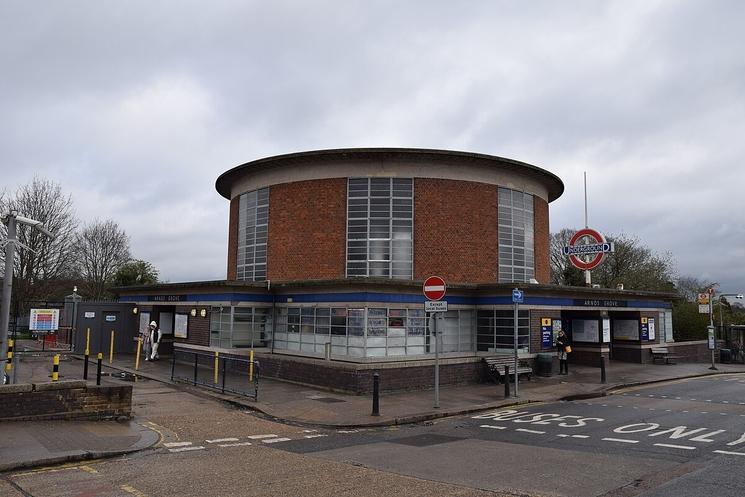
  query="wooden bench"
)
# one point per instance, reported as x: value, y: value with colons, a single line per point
x: 495, y: 367
x: 663, y: 355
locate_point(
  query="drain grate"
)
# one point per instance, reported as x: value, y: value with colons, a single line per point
x: 426, y: 440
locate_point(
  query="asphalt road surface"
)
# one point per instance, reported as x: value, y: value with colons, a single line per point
x: 684, y: 438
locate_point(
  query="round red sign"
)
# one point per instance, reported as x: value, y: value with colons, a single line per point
x: 590, y: 254
x: 434, y: 288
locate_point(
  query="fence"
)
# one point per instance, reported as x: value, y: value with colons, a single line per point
x: 218, y: 372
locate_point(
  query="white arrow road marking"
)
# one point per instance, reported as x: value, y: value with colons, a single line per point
x: 185, y: 449
x: 176, y: 444
x: 221, y: 440
x: 671, y: 446
x: 259, y: 437
x: 275, y: 440
x: 621, y: 440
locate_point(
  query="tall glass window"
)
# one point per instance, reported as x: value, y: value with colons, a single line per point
x: 495, y: 331
x: 515, y: 232
x: 240, y: 327
x: 380, y: 219
x: 253, y: 218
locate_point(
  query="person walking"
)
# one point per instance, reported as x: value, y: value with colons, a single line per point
x: 155, y: 336
x: 145, y: 337
x: 564, y: 347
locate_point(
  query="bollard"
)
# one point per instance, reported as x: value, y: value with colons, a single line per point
x: 376, y: 395
x: 9, y: 364
x: 506, y: 382
x: 137, y: 356
x: 602, y: 369
x: 217, y: 366
x: 111, y: 348
x: 251, y: 366
x: 55, y: 368
x: 87, y: 352
x: 98, y: 369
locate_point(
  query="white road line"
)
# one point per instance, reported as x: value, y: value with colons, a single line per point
x: 239, y: 444
x: 652, y: 409
x: 605, y: 405
x: 683, y: 411
x: 317, y: 435
x: 524, y: 430
x: 729, y: 453
x: 725, y: 402
x: 704, y: 412
x: 347, y: 431
x: 310, y: 431
x: 186, y: 449
x: 663, y: 396
x: 619, y: 406
x: 580, y: 436
x: 691, y: 399
x: 259, y: 437
x: 563, y: 435
x: 275, y: 440
x: 668, y: 410
x: 677, y: 398
x: 493, y: 427
x: 723, y: 413
x: 741, y: 403
x: 708, y: 400
x: 621, y: 440
x: 671, y: 446
x: 221, y: 440
x: 176, y: 444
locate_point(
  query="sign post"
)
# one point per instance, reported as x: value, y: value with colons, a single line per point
x: 517, y: 299
x: 434, y: 290
x: 711, y: 334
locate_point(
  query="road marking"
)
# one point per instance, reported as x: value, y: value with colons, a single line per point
x: 671, y: 446
x: 221, y: 440
x: 663, y: 396
x: 723, y: 413
x: 563, y: 435
x: 259, y: 437
x: 708, y: 400
x: 239, y: 444
x: 725, y: 402
x: 347, y: 431
x: 493, y: 427
x: 524, y: 430
x: 621, y: 440
x: 275, y: 440
x: 310, y: 431
x: 704, y: 412
x: 683, y: 411
x: 677, y: 398
x: 619, y: 406
x: 691, y: 399
x: 132, y: 490
x: 176, y: 444
x: 668, y: 410
x: 580, y: 436
x: 317, y: 435
x: 186, y: 449
x: 729, y: 453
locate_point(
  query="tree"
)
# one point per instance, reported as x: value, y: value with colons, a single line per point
x: 689, y: 287
x: 136, y: 272
x: 43, y: 263
x: 101, y: 248
x: 632, y: 264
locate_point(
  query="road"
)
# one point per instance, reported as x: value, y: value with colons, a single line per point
x: 684, y: 438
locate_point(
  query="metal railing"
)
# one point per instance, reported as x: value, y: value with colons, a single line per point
x: 217, y: 372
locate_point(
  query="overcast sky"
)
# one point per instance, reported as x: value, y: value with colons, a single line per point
x: 135, y: 108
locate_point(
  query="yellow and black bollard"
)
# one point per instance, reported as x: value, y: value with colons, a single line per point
x: 98, y: 368
x: 111, y: 348
x: 55, y: 368
x: 137, y: 356
x: 217, y: 365
x: 87, y: 352
x: 251, y: 366
x: 9, y: 364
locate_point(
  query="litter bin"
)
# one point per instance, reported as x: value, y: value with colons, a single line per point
x: 544, y: 364
x: 725, y: 356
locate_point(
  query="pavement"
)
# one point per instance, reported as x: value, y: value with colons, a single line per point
x: 29, y: 444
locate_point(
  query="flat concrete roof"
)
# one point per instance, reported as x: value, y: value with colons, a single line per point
x: 553, y: 183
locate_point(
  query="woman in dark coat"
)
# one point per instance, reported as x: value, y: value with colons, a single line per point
x: 562, y: 342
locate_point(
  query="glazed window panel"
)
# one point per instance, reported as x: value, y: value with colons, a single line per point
x: 495, y: 331
x: 253, y: 218
x: 515, y: 235
x: 380, y: 224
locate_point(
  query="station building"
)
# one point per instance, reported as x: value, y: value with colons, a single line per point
x: 327, y: 252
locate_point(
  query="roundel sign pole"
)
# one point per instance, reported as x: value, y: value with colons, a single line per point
x: 587, y: 249
x: 434, y: 290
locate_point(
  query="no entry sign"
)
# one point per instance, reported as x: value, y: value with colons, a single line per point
x: 434, y: 288
x: 589, y: 254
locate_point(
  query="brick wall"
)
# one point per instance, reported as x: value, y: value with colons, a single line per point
x: 307, y: 230
x: 64, y: 400
x: 541, y: 240
x: 233, y: 238
x: 455, y: 230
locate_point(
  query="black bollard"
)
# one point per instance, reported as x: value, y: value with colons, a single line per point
x: 98, y: 369
x: 506, y: 382
x: 602, y: 369
x: 85, y: 366
x: 376, y: 395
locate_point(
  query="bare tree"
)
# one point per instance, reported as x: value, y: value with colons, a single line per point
x: 42, y: 263
x: 101, y: 248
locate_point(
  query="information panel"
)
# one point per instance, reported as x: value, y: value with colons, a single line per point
x: 180, y: 325
x: 626, y: 329
x: 44, y: 320
x: 585, y: 330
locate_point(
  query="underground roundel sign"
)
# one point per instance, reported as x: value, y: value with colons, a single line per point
x: 587, y: 249
x: 434, y: 288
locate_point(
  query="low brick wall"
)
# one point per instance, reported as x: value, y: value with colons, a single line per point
x: 64, y: 400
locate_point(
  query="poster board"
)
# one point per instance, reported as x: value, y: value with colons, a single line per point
x: 180, y: 325
x: 44, y: 320
x: 606, y: 330
x: 626, y: 329
x: 652, y: 331
x: 585, y: 330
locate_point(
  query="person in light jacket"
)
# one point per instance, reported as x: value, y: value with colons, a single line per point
x: 155, y: 336
x: 562, y: 342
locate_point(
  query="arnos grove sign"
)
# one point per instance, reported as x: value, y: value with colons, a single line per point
x: 587, y: 249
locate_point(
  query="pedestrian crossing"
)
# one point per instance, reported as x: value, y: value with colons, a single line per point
x: 258, y: 439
